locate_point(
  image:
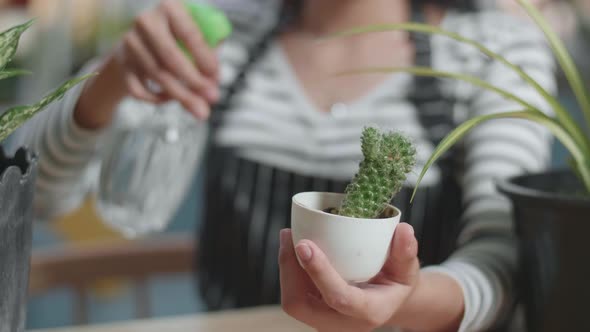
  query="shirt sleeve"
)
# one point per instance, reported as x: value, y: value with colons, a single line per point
x: 66, y: 154
x: 485, y: 262
x: 70, y: 156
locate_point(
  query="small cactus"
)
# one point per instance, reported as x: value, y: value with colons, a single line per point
x: 388, y: 157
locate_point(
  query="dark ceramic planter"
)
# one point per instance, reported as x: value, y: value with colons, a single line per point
x: 553, y: 224
x: 17, y: 177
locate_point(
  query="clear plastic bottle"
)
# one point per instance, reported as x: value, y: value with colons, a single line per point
x: 150, y: 157
x: 148, y: 165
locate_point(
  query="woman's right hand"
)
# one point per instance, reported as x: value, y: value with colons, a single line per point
x: 148, y: 54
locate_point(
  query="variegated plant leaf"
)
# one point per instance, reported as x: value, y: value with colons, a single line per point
x: 16, y: 116
x: 12, y: 73
x: 9, y: 42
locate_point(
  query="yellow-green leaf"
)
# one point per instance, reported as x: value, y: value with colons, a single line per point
x: 425, y: 71
x: 16, y: 116
x: 563, y: 57
x: 556, y: 129
x: 562, y: 114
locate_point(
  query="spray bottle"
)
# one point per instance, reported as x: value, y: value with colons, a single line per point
x: 150, y: 156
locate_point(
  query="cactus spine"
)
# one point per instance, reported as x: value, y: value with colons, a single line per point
x: 388, y: 157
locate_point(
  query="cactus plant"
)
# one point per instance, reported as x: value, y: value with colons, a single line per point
x: 388, y: 157
x: 14, y: 117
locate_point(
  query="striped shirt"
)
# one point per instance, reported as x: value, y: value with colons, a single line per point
x: 273, y: 123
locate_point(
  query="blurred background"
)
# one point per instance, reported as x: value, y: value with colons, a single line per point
x: 67, y: 34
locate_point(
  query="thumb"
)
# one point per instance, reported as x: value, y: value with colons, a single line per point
x: 402, y: 266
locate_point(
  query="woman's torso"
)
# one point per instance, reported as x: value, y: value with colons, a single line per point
x: 274, y: 142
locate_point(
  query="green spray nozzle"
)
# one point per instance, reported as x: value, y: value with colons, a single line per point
x: 213, y: 23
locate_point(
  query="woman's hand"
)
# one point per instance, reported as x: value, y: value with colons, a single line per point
x: 148, y: 54
x: 319, y: 297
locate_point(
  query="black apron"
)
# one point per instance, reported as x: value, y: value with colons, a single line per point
x: 248, y: 203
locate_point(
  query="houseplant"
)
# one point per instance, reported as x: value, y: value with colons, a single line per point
x: 551, y: 209
x: 355, y: 229
x: 17, y: 175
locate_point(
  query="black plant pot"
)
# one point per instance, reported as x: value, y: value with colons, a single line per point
x: 552, y: 219
x: 17, y: 176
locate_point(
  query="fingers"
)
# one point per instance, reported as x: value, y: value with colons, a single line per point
x: 150, y: 53
x: 375, y: 303
x: 141, y: 67
x: 186, y: 30
x: 153, y: 29
x: 153, y: 50
x: 291, y: 273
x: 176, y: 90
x: 336, y: 292
x: 299, y: 296
x: 349, y: 306
x: 138, y: 62
x: 138, y: 90
x: 138, y: 55
x: 402, y: 266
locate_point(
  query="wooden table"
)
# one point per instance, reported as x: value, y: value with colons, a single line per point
x: 264, y: 319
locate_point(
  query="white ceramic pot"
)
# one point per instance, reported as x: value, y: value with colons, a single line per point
x: 357, y: 248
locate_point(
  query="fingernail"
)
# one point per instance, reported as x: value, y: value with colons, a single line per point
x: 411, y: 230
x: 284, y: 236
x: 212, y: 94
x: 201, y: 112
x: 196, y: 110
x: 303, y: 252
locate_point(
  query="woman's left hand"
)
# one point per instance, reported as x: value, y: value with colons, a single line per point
x: 316, y: 295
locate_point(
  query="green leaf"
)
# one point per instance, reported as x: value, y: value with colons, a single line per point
x: 562, y: 114
x: 12, y: 73
x: 14, y: 117
x: 9, y: 42
x: 565, y: 128
x: 425, y: 71
x: 551, y: 124
x: 563, y: 57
